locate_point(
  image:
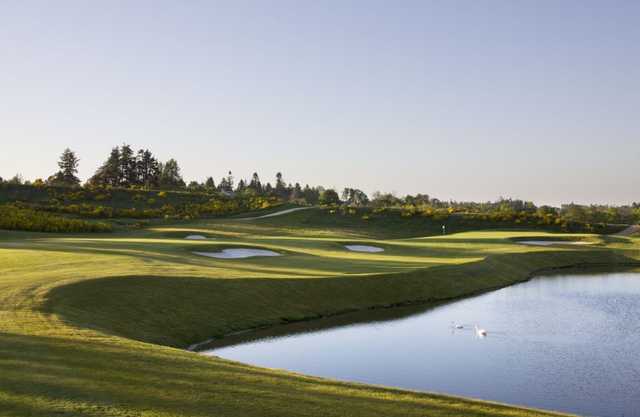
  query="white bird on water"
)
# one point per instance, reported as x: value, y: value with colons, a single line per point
x: 480, y: 332
x: 457, y: 326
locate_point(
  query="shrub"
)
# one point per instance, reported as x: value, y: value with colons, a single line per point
x: 18, y: 218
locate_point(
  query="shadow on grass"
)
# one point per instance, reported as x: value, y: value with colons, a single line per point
x: 44, y: 376
x: 179, y: 311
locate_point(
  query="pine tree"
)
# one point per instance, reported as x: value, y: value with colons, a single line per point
x: 255, y: 184
x: 296, y: 192
x: 210, y: 185
x: 128, y: 170
x: 281, y: 187
x: 147, y: 169
x: 170, y: 176
x: 241, y: 186
x: 226, y: 183
x: 69, y: 167
x: 109, y: 172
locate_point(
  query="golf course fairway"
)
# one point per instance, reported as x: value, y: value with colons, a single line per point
x: 98, y: 325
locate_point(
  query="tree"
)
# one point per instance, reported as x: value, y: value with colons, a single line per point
x: 210, y: 185
x: 241, y: 186
x: 281, y: 187
x: 109, y: 173
x: 354, y: 197
x: 16, y: 180
x: 329, y: 197
x: 226, y: 183
x: 68, y: 165
x: 311, y: 195
x: 296, y: 192
x: 386, y: 200
x: 255, y: 184
x: 128, y: 167
x: 147, y: 169
x: 418, y: 199
x: 170, y: 176
x: 195, y: 186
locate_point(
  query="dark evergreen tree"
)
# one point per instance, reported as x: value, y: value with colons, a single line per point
x: 296, y: 192
x: 109, y: 173
x: 68, y: 165
x: 195, y: 186
x: 147, y: 169
x: 281, y: 186
x: 210, y: 185
x: 242, y: 185
x: 226, y: 183
x: 128, y: 167
x: 170, y: 176
x: 308, y: 195
x: 255, y: 184
x: 112, y: 174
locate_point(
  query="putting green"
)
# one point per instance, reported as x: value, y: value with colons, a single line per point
x: 96, y: 325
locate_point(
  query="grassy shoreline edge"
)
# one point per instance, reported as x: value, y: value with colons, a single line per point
x: 580, y: 267
x: 221, y: 307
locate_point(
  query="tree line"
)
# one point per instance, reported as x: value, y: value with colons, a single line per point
x: 125, y: 168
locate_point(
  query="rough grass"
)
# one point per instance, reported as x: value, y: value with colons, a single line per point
x: 89, y: 324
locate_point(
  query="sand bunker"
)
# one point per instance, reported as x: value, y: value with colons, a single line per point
x: 363, y: 248
x: 553, y: 242
x: 238, y: 253
x: 196, y: 237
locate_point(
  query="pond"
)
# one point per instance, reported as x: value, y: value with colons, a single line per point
x: 569, y: 343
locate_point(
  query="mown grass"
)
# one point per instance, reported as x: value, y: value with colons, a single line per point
x: 91, y: 325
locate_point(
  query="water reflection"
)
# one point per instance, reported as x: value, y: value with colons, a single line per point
x: 566, y: 343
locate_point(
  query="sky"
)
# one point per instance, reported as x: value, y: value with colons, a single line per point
x: 463, y: 100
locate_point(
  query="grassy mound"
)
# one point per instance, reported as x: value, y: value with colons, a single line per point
x: 179, y: 311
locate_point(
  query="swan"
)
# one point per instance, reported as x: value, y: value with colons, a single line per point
x: 480, y: 332
x: 457, y: 326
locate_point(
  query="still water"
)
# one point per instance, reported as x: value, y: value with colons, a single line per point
x: 569, y: 343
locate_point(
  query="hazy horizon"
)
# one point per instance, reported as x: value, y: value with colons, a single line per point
x: 460, y: 100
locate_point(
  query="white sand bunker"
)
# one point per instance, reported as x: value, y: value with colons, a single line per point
x: 553, y: 242
x: 238, y: 253
x: 195, y: 237
x: 363, y: 248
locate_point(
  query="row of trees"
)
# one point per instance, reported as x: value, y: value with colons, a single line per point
x: 125, y: 168
x: 281, y: 190
x: 506, y: 210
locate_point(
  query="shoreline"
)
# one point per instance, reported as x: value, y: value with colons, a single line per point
x: 218, y: 342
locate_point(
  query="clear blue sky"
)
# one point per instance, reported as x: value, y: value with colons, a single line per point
x: 469, y: 100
